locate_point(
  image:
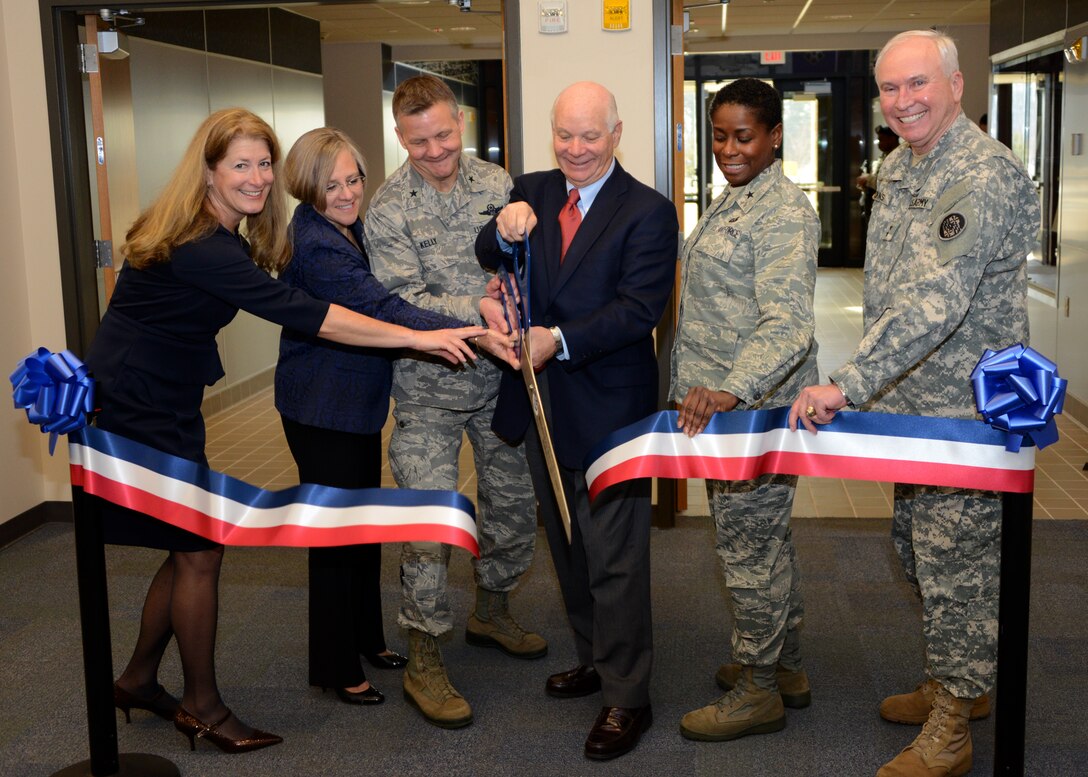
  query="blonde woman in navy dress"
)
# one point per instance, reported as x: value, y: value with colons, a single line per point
x: 188, y: 272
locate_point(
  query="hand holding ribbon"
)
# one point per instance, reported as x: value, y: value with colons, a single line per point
x: 56, y: 391
x: 1018, y: 391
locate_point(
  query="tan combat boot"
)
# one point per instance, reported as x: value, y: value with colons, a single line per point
x: 747, y: 709
x: 914, y: 708
x: 792, y: 686
x: 943, y: 749
x: 491, y: 625
x: 428, y: 688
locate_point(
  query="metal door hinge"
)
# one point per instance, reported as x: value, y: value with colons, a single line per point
x: 88, y: 58
x: 103, y: 254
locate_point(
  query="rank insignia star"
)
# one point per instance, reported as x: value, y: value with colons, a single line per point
x: 413, y: 193
x: 750, y: 195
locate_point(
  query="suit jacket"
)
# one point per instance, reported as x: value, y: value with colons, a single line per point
x: 325, y: 384
x: 606, y: 297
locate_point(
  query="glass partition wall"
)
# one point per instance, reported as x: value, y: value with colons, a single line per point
x: 1026, y: 111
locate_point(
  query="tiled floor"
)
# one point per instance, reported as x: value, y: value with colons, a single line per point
x: 246, y: 440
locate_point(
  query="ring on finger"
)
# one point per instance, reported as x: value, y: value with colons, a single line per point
x: 810, y: 411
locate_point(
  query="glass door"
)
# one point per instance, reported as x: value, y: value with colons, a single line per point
x: 1026, y: 111
x: 809, y: 129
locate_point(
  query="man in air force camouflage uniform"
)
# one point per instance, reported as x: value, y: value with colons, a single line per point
x: 420, y: 234
x: 953, y: 220
x: 744, y: 341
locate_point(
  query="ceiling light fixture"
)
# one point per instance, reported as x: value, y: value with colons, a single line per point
x: 723, y: 4
x: 801, y: 15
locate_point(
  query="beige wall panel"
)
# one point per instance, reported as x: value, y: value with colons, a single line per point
x: 30, y: 296
x: 621, y: 61
x: 352, y: 78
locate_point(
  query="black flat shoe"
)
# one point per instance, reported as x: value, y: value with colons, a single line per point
x: 160, y: 702
x: 390, y: 661
x: 616, y: 731
x: 370, y: 696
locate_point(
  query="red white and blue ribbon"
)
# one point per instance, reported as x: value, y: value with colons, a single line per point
x: 741, y: 445
x: 228, y: 511
x: 57, y: 393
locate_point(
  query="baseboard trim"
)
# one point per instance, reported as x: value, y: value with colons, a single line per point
x: 22, y: 524
x: 232, y: 395
x: 1075, y: 409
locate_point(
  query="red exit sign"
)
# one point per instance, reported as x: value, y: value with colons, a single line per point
x: 772, y: 57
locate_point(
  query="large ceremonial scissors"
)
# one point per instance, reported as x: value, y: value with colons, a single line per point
x: 516, y: 310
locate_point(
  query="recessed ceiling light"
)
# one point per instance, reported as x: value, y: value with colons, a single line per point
x: 840, y: 16
x: 462, y: 29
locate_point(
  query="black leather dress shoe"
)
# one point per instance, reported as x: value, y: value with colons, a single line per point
x: 617, y: 731
x: 390, y: 660
x: 582, y: 680
x: 370, y: 696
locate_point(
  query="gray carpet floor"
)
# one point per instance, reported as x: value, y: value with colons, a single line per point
x: 862, y: 641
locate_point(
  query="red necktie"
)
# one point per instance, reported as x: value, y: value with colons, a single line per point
x: 569, y: 219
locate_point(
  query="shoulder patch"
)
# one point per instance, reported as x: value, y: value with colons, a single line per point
x: 951, y: 226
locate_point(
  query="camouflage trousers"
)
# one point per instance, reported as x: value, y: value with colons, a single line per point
x: 423, y: 453
x: 949, y: 541
x: 755, y: 545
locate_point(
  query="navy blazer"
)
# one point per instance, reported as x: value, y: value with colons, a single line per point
x: 606, y: 297
x: 325, y: 384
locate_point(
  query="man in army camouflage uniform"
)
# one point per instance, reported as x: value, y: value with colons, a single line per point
x: 744, y: 340
x: 954, y: 218
x: 420, y: 233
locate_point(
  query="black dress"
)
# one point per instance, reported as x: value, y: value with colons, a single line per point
x: 155, y: 351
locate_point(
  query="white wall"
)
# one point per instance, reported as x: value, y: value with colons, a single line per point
x: 621, y: 61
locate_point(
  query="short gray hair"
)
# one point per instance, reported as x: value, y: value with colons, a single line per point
x: 946, y: 48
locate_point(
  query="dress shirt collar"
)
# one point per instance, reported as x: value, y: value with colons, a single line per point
x: 587, y: 194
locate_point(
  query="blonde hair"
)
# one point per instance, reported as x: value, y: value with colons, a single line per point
x: 310, y: 162
x: 180, y: 214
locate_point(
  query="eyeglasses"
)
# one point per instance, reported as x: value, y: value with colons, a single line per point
x: 355, y: 182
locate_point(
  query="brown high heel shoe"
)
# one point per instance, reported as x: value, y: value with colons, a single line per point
x: 193, y: 727
x: 161, y: 703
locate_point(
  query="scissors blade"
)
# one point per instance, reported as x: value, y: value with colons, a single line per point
x: 545, y: 435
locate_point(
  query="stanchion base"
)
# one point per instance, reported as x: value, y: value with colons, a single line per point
x: 131, y: 765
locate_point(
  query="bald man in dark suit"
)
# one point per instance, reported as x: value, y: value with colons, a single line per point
x: 599, y: 281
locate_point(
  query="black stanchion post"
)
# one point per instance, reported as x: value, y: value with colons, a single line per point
x: 1012, y: 642
x: 94, y: 617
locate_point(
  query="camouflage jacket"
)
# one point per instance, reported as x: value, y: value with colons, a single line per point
x: 421, y: 244
x: 749, y: 269
x: 945, y: 273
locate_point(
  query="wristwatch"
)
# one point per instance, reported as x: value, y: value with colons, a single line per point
x: 558, y: 340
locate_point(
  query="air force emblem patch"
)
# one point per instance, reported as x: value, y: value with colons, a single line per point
x: 951, y: 226
x: 491, y: 209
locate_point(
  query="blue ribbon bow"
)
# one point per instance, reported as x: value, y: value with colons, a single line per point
x: 1019, y: 391
x: 56, y: 390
